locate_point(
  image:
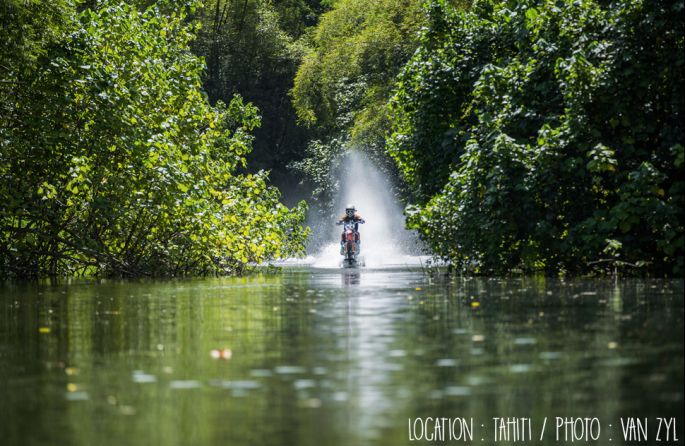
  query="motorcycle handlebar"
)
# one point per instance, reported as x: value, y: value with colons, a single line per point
x: 361, y: 222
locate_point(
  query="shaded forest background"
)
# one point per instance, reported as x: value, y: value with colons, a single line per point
x: 523, y: 135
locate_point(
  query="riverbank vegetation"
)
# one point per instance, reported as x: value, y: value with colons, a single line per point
x: 343, y: 86
x: 113, y: 161
x: 528, y: 135
x: 147, y: 137
x: 546, y: 135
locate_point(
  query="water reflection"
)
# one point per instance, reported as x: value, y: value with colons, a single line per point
x: 351, y: 277
x: 329, y: 357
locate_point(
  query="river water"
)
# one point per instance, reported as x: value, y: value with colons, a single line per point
x: 307, y: 356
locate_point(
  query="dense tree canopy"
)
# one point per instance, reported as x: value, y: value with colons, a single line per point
x: 344, y: 82
x: 112, y: 161
x: 546, y: 135
x: 532, y: 135
x: 253, y: 48
x: 357, y: 49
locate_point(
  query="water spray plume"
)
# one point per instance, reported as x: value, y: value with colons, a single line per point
x: 384, y: 239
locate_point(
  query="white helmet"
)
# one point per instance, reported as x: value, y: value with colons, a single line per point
x: 350, y: 210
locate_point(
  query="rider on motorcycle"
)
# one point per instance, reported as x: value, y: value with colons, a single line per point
x: 351, y: 216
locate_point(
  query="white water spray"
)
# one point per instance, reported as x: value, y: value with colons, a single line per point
x: 384, y: 240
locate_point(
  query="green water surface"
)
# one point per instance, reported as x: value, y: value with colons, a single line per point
x: 331, y: 357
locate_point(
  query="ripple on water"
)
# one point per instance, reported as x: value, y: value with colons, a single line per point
x: 302, y: 384
x: 457, y: 391
x: 260, y: 373
x: 241, y: 384
x: 447, y: 362
x: 340, y: 396
x: 550, y: 356
x: 183, y: 384
x: 388, y: 367
x: 619, y: 362
x: 477, y: 380
x: 140, y: 377
x: 77, y: 396
x: 289, y: 370
x: 520, y: 368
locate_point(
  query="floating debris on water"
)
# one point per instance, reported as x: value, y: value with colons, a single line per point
x: 225, y: 353
x: 54, y: 365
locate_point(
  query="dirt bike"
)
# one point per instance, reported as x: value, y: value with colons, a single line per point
x: 350, y: 244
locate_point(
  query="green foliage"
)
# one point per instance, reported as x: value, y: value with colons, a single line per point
x: 546, y: 135
x: 344, y: 82
x: 319, y: 167
x: 253, y: 48
x: 355, y: 43
x: 112, y: 161
x: 27, y: 27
